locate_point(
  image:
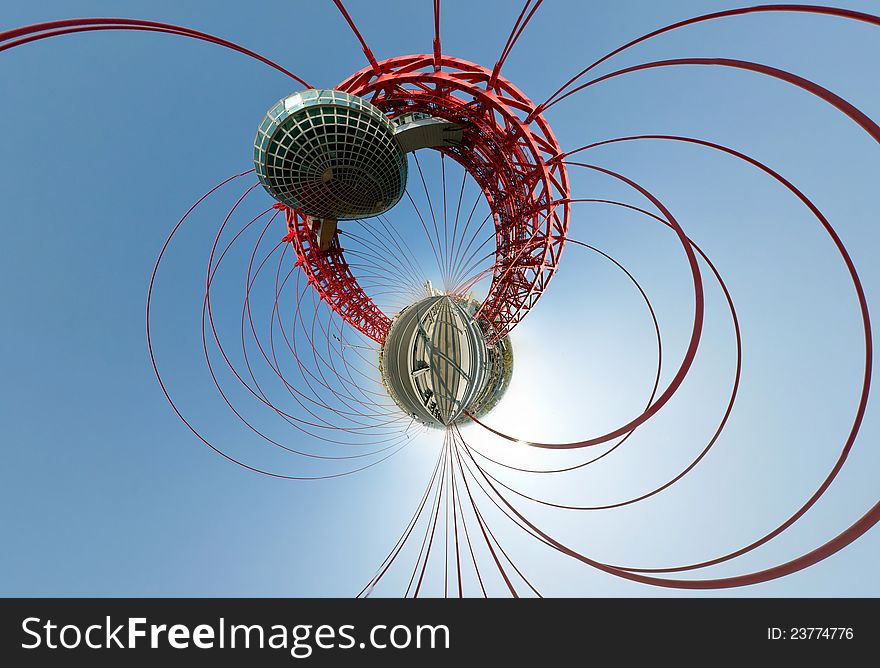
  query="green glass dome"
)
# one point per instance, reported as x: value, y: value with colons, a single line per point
x: 330, y: 155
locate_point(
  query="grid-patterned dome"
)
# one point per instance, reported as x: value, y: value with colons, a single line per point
x: 436, y: 363
x: 330, y: 155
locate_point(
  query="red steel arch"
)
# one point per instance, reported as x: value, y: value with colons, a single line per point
x: 508, y: 149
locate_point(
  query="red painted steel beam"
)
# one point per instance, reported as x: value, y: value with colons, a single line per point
x: 329, y: 273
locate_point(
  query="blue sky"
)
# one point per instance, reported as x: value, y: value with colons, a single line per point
x: 108, y: 138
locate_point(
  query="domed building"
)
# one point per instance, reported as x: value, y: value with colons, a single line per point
x: 330, y: 155
x: 436, y: 362
x: 334, y: 156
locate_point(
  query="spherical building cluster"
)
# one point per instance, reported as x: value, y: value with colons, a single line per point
x: 437, y: 364
x: 330, y: 155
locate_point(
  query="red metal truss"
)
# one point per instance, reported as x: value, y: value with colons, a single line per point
x: 509, y: 158
x: 330, y: 275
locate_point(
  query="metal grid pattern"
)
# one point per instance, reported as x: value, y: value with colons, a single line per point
x: 330, y: 155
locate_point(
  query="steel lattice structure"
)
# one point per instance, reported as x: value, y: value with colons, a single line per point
x: 511, y: 160
x: 331, y: 276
